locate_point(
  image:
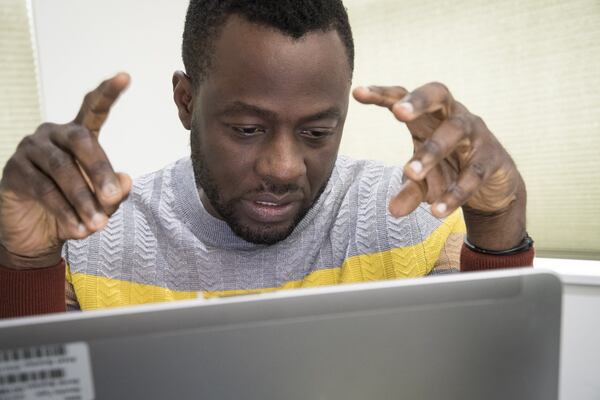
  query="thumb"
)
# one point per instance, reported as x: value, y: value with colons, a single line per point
x: 97, y: 103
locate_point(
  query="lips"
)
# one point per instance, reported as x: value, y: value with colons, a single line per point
x: 268, y: 208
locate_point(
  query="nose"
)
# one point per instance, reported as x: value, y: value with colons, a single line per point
x: 281, y: 160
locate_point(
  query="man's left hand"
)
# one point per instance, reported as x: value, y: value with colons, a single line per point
x: 457, y: 162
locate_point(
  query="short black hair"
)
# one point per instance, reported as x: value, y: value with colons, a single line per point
x: 294, y: 18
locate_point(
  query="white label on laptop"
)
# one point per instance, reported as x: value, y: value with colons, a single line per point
x: 46, y: 372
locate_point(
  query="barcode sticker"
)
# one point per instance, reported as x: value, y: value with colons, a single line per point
x: 46, y: 372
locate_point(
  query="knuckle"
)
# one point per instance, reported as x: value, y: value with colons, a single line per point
x: 400, y: 90
x: 100, y: 168
x: 458, y: 192
x: 83, y: 202
x: 478, y: 123
x: 46, y: 127
x: 81, y: 196
x: 103, y: 86
x: 11, y: 167
x: 88, y: 99
x: 419, y: 101
x: 26, y: 142
x: 439, y: 86
x: 461, y: 123
x: 445, y: 97
x: 396, y: 92
x: 478, y: 169
x: 77, y: 134
x: 433, y: 147
x: 57, y: 160
x: 44, y: 188
x: 15, y: 175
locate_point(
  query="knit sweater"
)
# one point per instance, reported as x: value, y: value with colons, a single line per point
x: 163, y: 245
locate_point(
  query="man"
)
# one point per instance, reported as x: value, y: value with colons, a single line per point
x: 264, y: 202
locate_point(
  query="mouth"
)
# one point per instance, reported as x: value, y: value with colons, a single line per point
x: 268, y: 209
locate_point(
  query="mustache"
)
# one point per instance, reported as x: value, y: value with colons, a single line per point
x: 277, y: 188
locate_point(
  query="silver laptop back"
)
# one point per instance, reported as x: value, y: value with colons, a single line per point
x: 477, y: 336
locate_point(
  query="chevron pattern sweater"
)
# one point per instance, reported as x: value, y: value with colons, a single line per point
x: 162, y: 245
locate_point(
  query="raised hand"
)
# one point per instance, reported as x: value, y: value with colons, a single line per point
x: 59, y: 184
x: 457, y: 162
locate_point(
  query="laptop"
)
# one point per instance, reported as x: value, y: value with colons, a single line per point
x: 580, y: 347
x: 482, y: 335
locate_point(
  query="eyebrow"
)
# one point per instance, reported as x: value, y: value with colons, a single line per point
x: 239, y: 107
x: 330, y: 113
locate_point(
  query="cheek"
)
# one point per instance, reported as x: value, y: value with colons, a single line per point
x: 319, y: 167
x: 231, y: 165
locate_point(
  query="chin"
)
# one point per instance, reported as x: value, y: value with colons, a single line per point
x: 263, y: 234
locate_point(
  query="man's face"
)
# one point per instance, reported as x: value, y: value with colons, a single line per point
x: 266, y: 126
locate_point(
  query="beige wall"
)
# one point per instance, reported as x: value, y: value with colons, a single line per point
x: 531, y: 69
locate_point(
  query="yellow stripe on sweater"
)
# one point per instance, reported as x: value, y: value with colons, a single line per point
x: 95, y: 292
x: 402, y: 262
x: 406, y: 262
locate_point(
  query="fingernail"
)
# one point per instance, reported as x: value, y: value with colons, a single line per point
x: 416, y: 166
x: 110, y: 189
x: 81, y: 229
x: 363, y: 89
x: 98, y: 220
x: 406, y: 106
x: 441, y: 208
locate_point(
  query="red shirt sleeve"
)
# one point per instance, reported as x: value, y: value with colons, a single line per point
x: 33, y: 291
x: 472, y: 261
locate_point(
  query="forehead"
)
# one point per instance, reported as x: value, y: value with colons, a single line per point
x: 251, y: 59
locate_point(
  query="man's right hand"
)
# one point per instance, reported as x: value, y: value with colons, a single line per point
x: 60, y: 185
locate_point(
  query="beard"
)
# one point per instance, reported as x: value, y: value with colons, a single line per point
x: 259, y: 233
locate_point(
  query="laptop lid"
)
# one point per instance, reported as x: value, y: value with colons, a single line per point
x: 490, y: 335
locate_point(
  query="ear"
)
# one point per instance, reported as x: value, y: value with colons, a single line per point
x: 182, y: 94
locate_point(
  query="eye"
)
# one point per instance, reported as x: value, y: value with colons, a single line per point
x: 316, y: 133
x: 247, y: 131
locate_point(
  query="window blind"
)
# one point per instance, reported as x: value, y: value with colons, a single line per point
x: 19, y: 102
x: 530, y: 69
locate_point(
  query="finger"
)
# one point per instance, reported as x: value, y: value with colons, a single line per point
x: 436, y: 184
x: 428, y: 98
x: 451, y: 133
x: 458, y: 193
x: 383, y: 96
x: 97, y: 103
x: 125, y: 182
x: 27, y: 179
x: 408, y: 198
x: 60, y: 167
x: 97, y: 169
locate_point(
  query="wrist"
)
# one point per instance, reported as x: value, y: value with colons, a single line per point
x: 501, y: 230
x: 14, y: 261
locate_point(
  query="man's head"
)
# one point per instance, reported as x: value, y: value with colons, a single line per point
x: 265, y: 97
x: 205, y: 20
